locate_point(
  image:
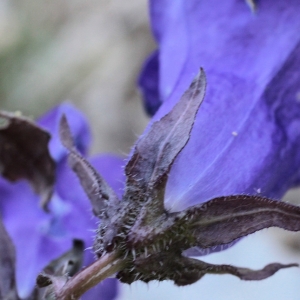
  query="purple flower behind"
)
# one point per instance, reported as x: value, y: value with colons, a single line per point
x: 246, y: 137
x: 40, y: 237
x: 149, y: 83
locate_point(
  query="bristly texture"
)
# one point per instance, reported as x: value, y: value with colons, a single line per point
x: 98, y: 191
x: 150, y: 239
x: 154, y: 153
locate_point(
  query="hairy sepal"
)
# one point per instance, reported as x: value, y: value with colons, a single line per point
x: 147, y: 170
x: 217, y: 222
x: 185, y: 271
x: 225, y: 219
x: 158, y: 247
x: 155, y: 152
x: 97, y: 190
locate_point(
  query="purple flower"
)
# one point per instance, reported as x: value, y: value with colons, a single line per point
x: 40, y: 237
x: 246, y: 137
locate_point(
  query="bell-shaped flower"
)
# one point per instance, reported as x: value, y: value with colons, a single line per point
x: 246, y: 136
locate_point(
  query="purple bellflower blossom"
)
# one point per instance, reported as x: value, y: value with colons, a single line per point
x: 246, y: 136
x: 192, y: 177
x: 40, y: 237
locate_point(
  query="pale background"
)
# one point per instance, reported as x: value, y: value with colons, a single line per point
x: 90, y: 52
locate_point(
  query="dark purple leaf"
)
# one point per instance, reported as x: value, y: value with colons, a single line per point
x: 98, y: 191
x: 8, y: 288
x: 24, y: 154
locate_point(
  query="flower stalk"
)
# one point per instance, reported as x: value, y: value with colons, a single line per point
x: 101, y: 269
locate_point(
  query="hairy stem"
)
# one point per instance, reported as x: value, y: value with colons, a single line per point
x: 101, y: 269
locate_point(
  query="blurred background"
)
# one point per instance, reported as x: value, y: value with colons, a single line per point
x: 86, y: 52
x: 90, y: 53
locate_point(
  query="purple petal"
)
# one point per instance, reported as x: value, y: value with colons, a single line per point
x: 245, y: 137
x: 106, y: 290
x: 112, y: 169
x: 78, y: 124
x: 37, y: 236
x: 225, y: 36
x: 71, y: 203
x: 148, y: 82
x: 109, y: 166
x: 40, y: 237
x: 29, y: 227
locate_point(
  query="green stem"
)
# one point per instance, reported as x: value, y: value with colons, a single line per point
x: 104, y: 267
